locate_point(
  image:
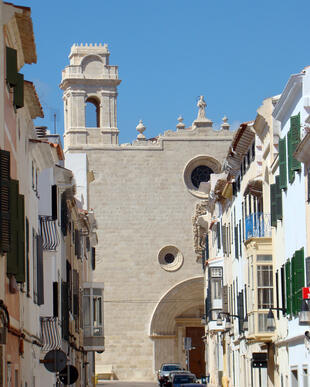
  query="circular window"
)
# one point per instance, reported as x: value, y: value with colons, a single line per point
x: 197, y: 174
x: 170, y: 258
x: 201, y: 174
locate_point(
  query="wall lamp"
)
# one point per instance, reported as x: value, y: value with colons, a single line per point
x: 271, y: 323
x: 228, y: 325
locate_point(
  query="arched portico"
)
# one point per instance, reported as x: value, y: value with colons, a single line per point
x: 178, y: 315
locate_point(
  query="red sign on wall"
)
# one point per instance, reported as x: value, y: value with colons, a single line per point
x: 306, y: 293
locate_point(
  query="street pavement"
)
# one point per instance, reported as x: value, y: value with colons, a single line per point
x: 117, y: 383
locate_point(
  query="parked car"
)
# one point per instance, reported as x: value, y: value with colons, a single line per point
x: 165, y: 370
x: 180, y: 379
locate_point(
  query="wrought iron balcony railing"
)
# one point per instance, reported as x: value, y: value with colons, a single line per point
x: 49, y: 233
x: 258, y: 225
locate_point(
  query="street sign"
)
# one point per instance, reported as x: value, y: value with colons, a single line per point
x: 259, y: 360
x: 306, y: 293
x: 55, y: 360
x: 69, y: 375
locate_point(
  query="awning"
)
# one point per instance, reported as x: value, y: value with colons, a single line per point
x: 50, y: 335
x: 49, y: 233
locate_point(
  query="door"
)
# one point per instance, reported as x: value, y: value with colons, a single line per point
x: 197, y: 364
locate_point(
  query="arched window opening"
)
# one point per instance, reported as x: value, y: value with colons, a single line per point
x: 92, y: 113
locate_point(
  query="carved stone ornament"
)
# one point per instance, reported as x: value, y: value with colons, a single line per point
x: 198, y: 231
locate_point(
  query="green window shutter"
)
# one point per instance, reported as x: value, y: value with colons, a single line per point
x: 293, y: 286
x: 291, y: 174
x: 11, y: 66
x: 278, y: 197
x: 288, y: 283
x: 20, y: 276
x: 282, y: 163
x: 19, y: 92
x: 295, y: 137
x: 12, y: 257
x: 236, y: 243
x: 273, y: 205
x: 4, y: 201
x: 299, y: 274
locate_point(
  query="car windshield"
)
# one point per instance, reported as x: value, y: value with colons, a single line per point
x: 183, y: 379
x: 171, y: 367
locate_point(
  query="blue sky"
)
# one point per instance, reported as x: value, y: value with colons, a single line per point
x: 235, y: 53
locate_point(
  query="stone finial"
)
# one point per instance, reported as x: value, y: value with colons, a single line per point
x: 225, y: 125
x: 140, y: 128
x: 181, y: 124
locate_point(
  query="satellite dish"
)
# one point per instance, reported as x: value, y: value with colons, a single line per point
x: 69, y: 375
x: 55, y: 360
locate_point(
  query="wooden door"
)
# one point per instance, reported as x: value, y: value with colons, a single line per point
x: 197, y: 364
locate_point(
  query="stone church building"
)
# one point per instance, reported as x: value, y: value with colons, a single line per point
x: 144, y: 196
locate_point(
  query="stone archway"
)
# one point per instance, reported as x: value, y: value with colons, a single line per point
x: 180, y: 308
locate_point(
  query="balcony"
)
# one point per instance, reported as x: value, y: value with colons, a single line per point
x: 257, y: 225
x: 49, y: 233
x: 258, y: 327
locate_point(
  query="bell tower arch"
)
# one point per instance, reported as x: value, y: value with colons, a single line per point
x: 89, y: 87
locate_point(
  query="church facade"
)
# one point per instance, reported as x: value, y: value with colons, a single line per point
x: 144, y: 195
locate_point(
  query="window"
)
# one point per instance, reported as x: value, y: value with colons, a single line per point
x: 200, y: 174
x: 93, y: 311
x: 305, y: 376
x: 294, y: 377
x: 216, y: 278
x: 92, y: 113
x: 264, y: 286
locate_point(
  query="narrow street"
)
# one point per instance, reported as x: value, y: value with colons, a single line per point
x: 117, y: 383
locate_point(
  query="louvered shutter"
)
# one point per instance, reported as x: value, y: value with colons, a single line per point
x: 5, y: 236
x: 278, y: 198
x: 18, y: 99
x: 12, y: 256
x: 299, y: 280
x: 290, y: 171
x: 225, y: 299
x: 11, y: 66
x: 236, y: 243
x: 224, y: 239
x: 93, y: 257
x: 283, y: 292
x: 288, y: 286
x: 21, y: 275
x: 75, y: 293
x: 282, y: 163
x: 295, y: 137
x: 27, y: 259
x: 54, y: 202
x: 64, y: 214
x: 55, y: 299
x: 69, y: 281
x: 208, y: 303
x: 40, y: 271
x: 218, y: 234
x: 240, y: 308
x: 64, y: 311
x: 273, y: 205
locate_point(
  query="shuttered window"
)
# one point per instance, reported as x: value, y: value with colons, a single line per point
x: 18, y: 99
x: 278, y: 198
x: 236, y: 243
x: 218, y: 234
x: 4, y: 201
x: 206, y: 252
x: 77, y: 243
x: 64, y: 311
x: 21, y: 273
x: 282, y: 163
x: 76, y: 298
x: 54, y: 202
x: 240, y: 307
x: 282, y: 291
x: 291, y: 174
x: 225, y: 299
x: 273, y: 205
x: 64, y: 214
x: 224, y: 239
x: 40, y: 271
x: 12, y: 257
x: 11, y: 66
x: 288, y: 283
x: 308, y: 271
x: 55, y: 299
x: 298, y: 280
x: 27, y: 259
x: 295, y: 138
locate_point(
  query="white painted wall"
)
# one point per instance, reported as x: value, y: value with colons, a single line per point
x: 77, y: 163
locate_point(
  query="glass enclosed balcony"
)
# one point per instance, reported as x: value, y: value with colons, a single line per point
x: 257, y: 225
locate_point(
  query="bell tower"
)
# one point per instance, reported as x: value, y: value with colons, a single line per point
x: 89, y: 87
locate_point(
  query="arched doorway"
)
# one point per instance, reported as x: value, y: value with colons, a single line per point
x: 176, y: 316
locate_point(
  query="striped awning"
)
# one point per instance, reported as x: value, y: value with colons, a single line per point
x: 50, y: 334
